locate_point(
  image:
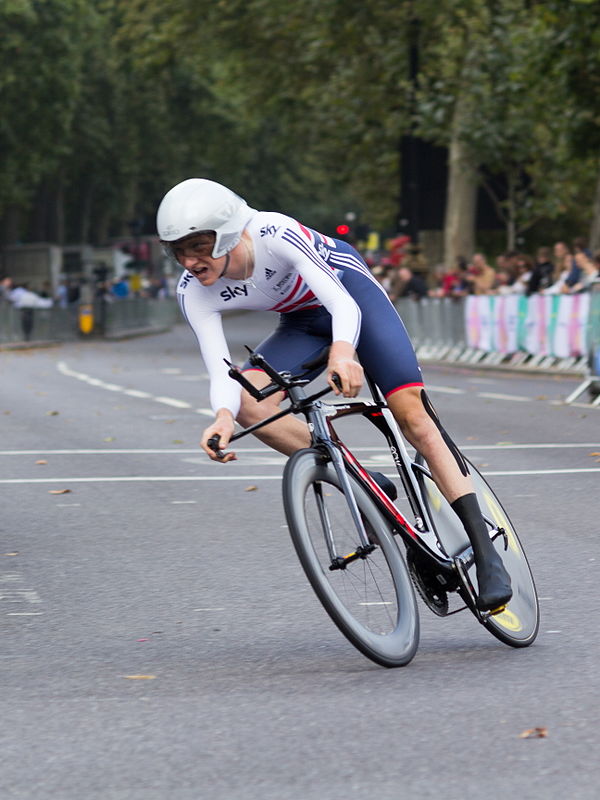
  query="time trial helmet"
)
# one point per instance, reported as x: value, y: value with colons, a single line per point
x: 198, y: 205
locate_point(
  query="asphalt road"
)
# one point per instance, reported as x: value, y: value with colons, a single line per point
x: 159, y: 639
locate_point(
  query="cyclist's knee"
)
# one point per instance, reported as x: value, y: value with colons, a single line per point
x: 252, y: 411
x: 411, y: 414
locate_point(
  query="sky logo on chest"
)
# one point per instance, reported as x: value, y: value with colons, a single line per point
x: 231, y: 292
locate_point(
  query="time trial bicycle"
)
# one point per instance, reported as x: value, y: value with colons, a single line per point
x: 346, y: 530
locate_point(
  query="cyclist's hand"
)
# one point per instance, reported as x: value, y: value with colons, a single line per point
x: 342, y: 363
x: 222, y: 428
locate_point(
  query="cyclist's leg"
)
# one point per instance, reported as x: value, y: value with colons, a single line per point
x: 387, y: 354
x: 298, y: 339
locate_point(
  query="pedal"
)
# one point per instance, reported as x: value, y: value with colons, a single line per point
x: 341, y: 562
x: 498, y: 610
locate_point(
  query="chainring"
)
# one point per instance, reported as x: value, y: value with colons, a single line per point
x: 427, y: 586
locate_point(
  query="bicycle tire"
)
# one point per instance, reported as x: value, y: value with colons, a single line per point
x: 518, y: 624
x: 372, y: 600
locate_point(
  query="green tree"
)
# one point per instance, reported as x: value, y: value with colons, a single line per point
x: 40, y: 67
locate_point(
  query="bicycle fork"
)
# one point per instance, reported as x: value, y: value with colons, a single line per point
x: 321, y: 438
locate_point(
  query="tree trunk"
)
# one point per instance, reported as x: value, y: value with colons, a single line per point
x: 459, y: 223
x: 511, y: 214
x: 595, y: 227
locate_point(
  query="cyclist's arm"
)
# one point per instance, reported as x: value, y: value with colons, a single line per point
x: 208, y: 327
x: 293, y: 247
x: 224, y: 393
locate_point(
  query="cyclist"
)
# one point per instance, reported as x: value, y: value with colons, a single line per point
x: 235, y: 257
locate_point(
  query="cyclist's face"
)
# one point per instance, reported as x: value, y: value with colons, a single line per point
x: 195, y: 255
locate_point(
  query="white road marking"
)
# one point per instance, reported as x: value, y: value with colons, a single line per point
x: 24, y: 613
x: 241, y: 451
x: 445, y: 389
x: 64, y: 369
x: 380, y: 603
x: 18, y: 596
x: 497, y: 396
x: 170, y: 401
x: 255, y: 476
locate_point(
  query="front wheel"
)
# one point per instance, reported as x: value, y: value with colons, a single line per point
x: 518, y: 624
x: 371, y: 599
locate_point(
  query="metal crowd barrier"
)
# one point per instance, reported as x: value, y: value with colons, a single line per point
x: 438, y: 331
x: 124, y: 317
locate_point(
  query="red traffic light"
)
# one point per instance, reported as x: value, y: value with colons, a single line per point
x: 342, y: 230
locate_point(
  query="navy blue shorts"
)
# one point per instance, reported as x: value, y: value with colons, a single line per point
x: 384, y: 348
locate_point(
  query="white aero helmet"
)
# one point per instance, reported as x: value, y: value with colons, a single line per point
x: 197, y: 205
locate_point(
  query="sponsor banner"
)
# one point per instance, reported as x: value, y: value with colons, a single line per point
x: 546, y: 325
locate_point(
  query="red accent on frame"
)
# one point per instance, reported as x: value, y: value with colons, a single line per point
x: 379, y: 491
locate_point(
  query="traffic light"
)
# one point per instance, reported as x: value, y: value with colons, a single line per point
x: 342, y: 230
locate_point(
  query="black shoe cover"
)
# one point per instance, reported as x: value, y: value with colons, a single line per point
x: 494, y: 585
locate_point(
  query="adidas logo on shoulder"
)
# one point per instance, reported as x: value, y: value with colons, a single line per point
x: 269, y: 273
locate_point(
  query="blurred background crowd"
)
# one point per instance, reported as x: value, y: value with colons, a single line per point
x: 561, y: 269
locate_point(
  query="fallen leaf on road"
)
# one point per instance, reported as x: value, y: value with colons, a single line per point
x: 251, y: 489
x: 10, y: 554
x: 41, y: 461
x: 59, y: 491
x: 109, y: 438
x: 534, y: 733
x: 52, y: 413
x: 140, y: 677
x: 595, y: 454
x: 177, y: 441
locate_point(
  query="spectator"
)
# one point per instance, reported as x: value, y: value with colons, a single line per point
x: 454, y: 281
x: 73, y: 292
x: 542, y: 275
x: 120, y: 287
x: 5, y: 287
x: 62, y: 294
x: 588, y: 273
x: 518, y: 281
x: 406, y: 284
x: 481, y: 276
x: 562, y: 267
x: 21, y: 297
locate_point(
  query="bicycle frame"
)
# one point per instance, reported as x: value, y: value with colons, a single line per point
x: 419, y: 535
